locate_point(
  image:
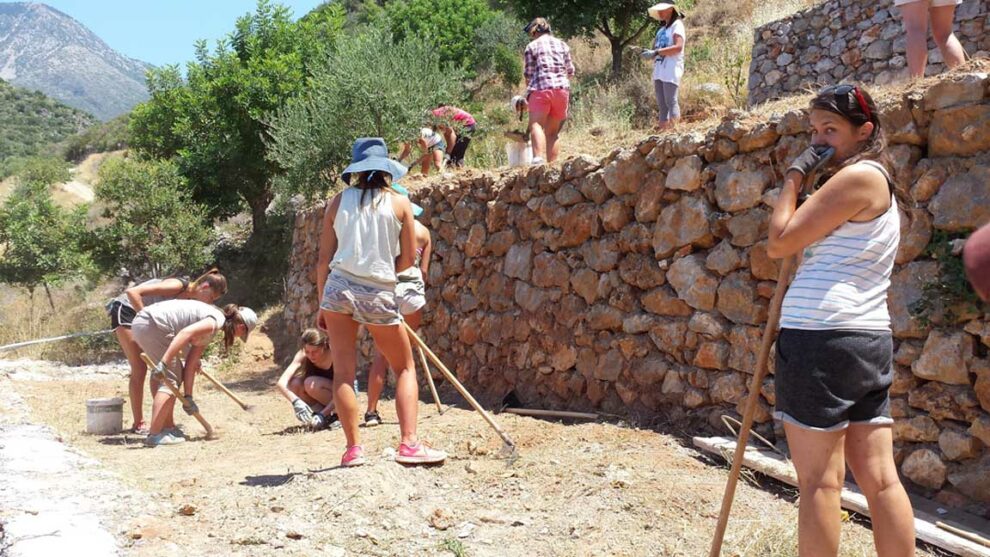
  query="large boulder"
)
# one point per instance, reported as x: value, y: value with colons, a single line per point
x: 712, y: 355
x: 518, y: 262
x: 963, y: 201
x: 945, y: 358
x: 906, y: 289
x: 649, y: 201
x: 738, y: 301
x: 736, y: 190
x: 749, y: 227
x: 916, y: 232
x: 729, y: 387
x: 625, y: 173
x: 693, y: 283
x: 550, y: 270
x: 601, y: 255
x: 762, y: 265
x: 954, y: 91
x: 723, y: 258
x: 919, y: 429
x: 973, y: 479
x: 641, y: 271
x: 924, y: 468
x: 958, y: 445
x: 686, y: 174
x: 962, y: 131
x: 664, y: 301
x: 683, y: 223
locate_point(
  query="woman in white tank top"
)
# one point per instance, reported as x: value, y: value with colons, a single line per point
x: 367, y: 233
x: 834, y: 351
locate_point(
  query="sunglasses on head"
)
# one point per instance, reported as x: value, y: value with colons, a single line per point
x: 843, y: 92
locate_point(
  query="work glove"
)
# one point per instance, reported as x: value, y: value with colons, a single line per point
x: 159, y: 371
x: 647, y: 54
x: 303, y: 412
x: 189, y: 405
x: 318, y: 422
x: 813, y: 158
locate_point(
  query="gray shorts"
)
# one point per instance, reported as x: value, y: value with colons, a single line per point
x: 825, y: 380
x: 364, y: 302
x: 154, y: 342
x: 410, y: 291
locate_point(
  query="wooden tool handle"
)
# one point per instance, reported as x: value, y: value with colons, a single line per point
x: 223, y: 388
x: 769, y: 333
x: 457, y: 385
x: 175, y: 391
x: 429, y: 379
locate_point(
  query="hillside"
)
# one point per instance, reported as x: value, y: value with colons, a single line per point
x: 30, y: 121
x: 42, y: 48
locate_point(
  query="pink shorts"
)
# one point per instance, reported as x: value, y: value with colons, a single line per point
x: 549, y: 102
x: 931, y: 3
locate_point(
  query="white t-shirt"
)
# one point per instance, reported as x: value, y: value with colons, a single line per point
x: 669, y: 68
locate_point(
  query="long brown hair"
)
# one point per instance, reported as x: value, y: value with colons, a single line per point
x: 314, y: 337
x: 232, y: 317
x: 216, y: 281
x: 371, y: 181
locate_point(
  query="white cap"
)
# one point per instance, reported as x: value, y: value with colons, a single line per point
x: 516, y: 101
x: 426, y: 133
x: 250, y: 319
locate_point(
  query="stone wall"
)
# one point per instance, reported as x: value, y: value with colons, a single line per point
x: 848, y: 40
x: 638, y: 284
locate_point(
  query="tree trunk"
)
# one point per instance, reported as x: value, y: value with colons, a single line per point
x: 49, y: 292
x: 258, y: 216
x: 616, y: 44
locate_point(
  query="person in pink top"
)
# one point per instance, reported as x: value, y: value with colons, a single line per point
x: 548, y: 68
x: 451, y: 117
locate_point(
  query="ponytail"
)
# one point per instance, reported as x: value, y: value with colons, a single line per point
x: 232, y: 317
x: 216, y: 281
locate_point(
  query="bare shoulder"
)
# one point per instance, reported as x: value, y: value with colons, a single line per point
x: 860, y: 178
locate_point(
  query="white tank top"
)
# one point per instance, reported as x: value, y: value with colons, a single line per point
x: 367, y: 237
x: 843, y: 279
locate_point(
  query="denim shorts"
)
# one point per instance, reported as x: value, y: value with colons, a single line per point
x: 365, y: 302
x: 825, y: 380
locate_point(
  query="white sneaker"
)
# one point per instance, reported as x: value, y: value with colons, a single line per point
x: 537, y: 161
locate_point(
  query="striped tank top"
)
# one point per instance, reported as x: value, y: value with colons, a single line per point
x: 843, y: 278
x: 367, y: 237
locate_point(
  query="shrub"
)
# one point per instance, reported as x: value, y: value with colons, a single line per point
x: 156, y: 229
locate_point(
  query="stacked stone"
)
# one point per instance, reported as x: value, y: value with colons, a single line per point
x: 848, y: 40
x: 639, y: 284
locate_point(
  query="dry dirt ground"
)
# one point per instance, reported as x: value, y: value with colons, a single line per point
x: 268, y: 488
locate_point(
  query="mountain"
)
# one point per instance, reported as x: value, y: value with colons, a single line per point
x: 30, y: 122
x: 42, y: 48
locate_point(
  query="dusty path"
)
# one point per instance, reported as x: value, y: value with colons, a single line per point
x: 586, y: 489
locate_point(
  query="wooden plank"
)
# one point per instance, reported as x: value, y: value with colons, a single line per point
x: 551, y: 413
x: 775, y: 466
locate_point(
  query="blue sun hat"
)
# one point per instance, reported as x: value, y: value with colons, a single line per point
x: 370, y: 154
x: 417, y: 210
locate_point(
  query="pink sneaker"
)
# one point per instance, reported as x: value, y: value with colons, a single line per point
x: 420, y: 453
x: 353, y: 456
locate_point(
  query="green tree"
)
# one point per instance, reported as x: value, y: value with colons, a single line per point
x: 40, y: 243
x: 449, y: 24
x: 499, y: 42
x: 369, y: 86
x: 215, y: 122
x: 155, y: 228
x: 622, y: 22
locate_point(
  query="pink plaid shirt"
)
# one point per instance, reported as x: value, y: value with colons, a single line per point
x: 548, y: 64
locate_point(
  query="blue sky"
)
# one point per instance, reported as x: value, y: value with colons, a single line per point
x: 163, y: 31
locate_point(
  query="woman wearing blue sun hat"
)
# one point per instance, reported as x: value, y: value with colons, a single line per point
x: 368, y: 232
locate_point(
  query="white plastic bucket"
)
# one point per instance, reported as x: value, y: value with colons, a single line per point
x: 104, y: 416
x: 519, y: 153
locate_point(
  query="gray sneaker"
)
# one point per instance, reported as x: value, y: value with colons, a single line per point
x: 163, y: 438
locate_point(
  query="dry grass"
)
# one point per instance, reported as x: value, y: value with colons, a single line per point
x: 78, y: 307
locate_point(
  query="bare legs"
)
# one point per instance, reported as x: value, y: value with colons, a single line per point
x: 139, y: 370
x: 916, y: 17
x: 376, y: 375
x: 342, y: 332
x: 819, y: 458
x: 544, y: 131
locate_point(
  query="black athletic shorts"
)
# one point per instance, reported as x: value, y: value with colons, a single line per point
x: 120, y: 315
x: 825, y: 380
